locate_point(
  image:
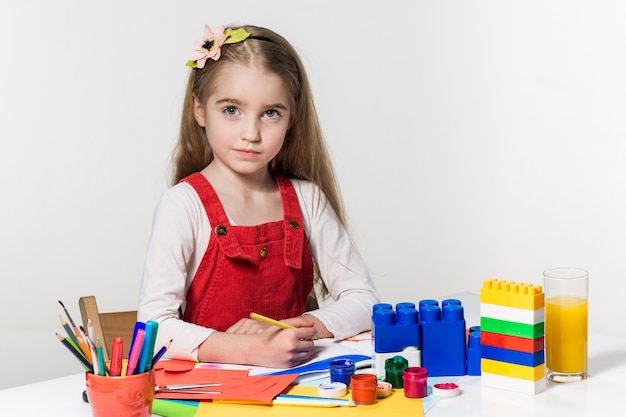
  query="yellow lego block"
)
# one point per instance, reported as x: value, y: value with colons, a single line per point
x: 529, y: 373
x: 512, y: 294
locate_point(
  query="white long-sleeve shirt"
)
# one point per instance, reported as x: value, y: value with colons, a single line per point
x: 180, y: 237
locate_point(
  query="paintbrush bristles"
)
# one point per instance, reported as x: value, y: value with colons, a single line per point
x: 67, y: 313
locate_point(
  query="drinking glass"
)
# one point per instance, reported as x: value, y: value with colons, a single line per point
x: 565, y: 291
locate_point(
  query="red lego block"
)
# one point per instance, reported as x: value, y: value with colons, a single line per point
x: 520, y: 344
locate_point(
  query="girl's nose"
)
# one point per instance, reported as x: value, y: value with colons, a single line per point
x: 251, y: 131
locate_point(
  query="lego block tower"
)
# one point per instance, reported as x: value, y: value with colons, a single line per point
x: 512, y: 336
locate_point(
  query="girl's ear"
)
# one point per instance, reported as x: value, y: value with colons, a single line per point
x: 198, y: 111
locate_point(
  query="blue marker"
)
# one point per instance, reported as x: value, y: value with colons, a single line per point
x: 147, y: 350
x: 139, y: 325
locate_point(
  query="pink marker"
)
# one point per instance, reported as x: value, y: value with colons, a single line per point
x: 134, y: 354
x: 117, y: 347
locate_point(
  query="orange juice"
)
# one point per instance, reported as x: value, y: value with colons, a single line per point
x: 566, y: 334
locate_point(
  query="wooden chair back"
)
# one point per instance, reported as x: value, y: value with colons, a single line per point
x: 108, y: 326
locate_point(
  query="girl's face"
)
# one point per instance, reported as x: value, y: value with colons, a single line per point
x: 245, y: 117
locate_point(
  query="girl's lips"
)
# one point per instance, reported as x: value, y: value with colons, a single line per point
x: 247, y: 153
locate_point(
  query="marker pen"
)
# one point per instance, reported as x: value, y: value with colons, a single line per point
x: 117, y: 348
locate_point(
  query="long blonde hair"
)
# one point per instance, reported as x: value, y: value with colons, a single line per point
x: 304, y: 154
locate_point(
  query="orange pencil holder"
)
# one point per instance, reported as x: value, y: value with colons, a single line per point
x: 124, y: 396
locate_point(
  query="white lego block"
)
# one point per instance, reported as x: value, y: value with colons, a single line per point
x: 517, y: 315
x: 508, y: 383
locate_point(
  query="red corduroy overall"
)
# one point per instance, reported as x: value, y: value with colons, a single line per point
x: 266, y: 269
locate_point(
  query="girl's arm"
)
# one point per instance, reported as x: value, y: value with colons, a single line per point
x: 350, y: 287
x: 170, y: 255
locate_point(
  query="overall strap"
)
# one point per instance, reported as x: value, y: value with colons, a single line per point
x: 294, y: 229
x: 222, y: 230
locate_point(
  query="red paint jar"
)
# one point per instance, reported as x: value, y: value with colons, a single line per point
x: 415, y: 382
x: 363, y: 387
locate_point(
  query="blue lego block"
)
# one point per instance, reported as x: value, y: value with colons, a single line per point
x: 444, y: 349
x: 450, y: 301
x: 512, y: 356
x: 473, y: 352
x: 393, y: 331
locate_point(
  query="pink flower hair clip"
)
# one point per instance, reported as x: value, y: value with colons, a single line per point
x: 210, y: 45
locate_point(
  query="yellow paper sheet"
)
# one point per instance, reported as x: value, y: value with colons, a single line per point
x: 395, y: 405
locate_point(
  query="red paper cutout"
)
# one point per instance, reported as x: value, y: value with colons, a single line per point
x: 236, y: 384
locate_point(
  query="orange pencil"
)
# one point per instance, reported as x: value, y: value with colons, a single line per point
x: 83, y: 346
x: 90, y: 344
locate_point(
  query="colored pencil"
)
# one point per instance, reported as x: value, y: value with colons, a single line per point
x: 75, y: 347
x: 75, y: 352
x: 339, y: 401
x: 161, y: 352
x: 101, y: 367
x: 273, y: 322
x: 96, y: 362
x: 262, y: 318
x: 91, y: 331
x: 68, y: 330
x: 83, y: 346
x: 306, y: 403
x: 70, y: 319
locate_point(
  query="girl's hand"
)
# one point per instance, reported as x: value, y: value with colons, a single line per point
x: 260, y: 344
x: 284, y: 348
x: 247, y: 326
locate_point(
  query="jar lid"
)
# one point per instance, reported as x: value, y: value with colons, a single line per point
x: 446, y: 389
x: 332, y: 390
x: 383, y: 389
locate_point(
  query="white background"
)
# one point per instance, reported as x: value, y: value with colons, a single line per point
x: 472, y: 139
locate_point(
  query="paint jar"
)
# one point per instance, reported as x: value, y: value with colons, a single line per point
x: 415, y: 382
x: 363, y: 387
x: 126, y: 396
x: 394, y: 371
x: 341, y: 370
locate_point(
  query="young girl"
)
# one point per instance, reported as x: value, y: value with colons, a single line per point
x: 254, y: 214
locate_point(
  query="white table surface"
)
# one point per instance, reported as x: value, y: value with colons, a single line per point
x: 602, y: 393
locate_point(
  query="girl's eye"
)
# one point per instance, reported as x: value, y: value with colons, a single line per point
x: 272, y: 113
x: 231, y: 111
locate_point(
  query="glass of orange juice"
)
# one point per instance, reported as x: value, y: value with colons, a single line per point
x: 566, y: 304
